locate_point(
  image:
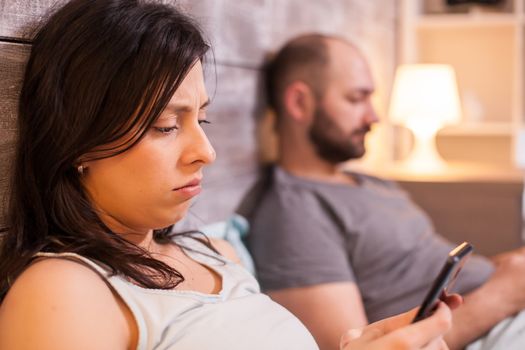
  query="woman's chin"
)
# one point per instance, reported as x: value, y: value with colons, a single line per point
x: 176, y: 218
x: 167, y: 218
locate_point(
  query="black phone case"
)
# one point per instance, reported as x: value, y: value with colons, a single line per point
x: 446, y: 277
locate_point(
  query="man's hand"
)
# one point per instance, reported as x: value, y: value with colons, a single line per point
x: 508, y: 280
x: 500, y: 297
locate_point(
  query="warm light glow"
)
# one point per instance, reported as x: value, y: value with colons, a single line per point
x: 519, y: 154
x: 424, y: 99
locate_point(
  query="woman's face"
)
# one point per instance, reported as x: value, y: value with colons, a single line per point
x: 150, y: 185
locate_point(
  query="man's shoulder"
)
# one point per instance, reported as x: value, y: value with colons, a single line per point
x: 368, y: 178
x: 274, y: 188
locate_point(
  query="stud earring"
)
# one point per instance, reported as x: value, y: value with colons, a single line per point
x: 80, y: 169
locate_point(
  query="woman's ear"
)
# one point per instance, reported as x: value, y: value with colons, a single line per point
x: 81, y: 165
x: 299, y: 101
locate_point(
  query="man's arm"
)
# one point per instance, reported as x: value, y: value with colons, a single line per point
x: 327, y: 310
x: 500, y: 297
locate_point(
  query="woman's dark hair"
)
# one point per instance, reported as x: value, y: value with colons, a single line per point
x: 99, y: 72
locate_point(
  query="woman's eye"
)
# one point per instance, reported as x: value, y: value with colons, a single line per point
x: 166, y: 130
x: 355, y: 99
x: 204, y: 121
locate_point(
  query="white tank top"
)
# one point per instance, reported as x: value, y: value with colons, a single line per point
x: 238, y: 317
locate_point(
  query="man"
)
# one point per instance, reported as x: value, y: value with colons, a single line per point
x: 343, y: 249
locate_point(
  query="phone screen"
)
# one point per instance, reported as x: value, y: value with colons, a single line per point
x: 445, y: 279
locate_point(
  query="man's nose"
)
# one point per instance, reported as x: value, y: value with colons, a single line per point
x: 371, y: 115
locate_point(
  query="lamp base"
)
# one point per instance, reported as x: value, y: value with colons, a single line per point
x: 424, y: 157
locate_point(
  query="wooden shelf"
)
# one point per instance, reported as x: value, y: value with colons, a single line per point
x: 451, y: 172
x: 486, y: 47
x: 478, y: 129
x: 478, y: 196
x: 458, y: 172
x: 466, y: 20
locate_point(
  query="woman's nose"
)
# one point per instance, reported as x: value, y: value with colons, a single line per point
x: 199, y: 149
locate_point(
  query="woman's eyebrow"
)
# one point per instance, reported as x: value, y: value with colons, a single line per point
x: 183, y: 107
x: 205, y: 104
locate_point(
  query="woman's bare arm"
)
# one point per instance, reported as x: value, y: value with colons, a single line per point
x: 61, y: 304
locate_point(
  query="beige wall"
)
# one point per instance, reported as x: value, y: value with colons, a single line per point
x: 241, y: 33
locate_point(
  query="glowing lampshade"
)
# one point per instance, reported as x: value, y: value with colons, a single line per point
x: 424, y: 99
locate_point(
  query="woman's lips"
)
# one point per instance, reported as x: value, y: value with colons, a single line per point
x: 191, y: 189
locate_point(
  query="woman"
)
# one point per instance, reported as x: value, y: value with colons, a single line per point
x: 109, y: 154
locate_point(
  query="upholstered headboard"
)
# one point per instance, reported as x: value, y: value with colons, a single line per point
x: 241, y: 33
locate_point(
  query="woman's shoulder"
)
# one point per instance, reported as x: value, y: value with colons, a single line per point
x: 225, y: 249
x: 59, y: 303
x: 59, y: 274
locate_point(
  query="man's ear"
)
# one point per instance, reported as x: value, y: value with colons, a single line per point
x: 299, y: 101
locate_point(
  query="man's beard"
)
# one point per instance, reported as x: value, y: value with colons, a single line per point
x: 331, y: 143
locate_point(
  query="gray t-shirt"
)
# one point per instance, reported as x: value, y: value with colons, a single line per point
x: 306, y: 232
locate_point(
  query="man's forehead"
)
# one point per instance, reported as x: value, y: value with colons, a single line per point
x: 344, y: 55
x: 349, y: 67
x: 338, y: 47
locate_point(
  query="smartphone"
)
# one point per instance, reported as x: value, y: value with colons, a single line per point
x: 445, y: 279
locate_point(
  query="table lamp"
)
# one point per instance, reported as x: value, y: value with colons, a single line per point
x: 424, y: 99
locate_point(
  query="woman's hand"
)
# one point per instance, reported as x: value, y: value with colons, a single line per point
x: 397, y: 333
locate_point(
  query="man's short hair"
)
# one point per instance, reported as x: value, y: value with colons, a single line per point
x: 304, y: 58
